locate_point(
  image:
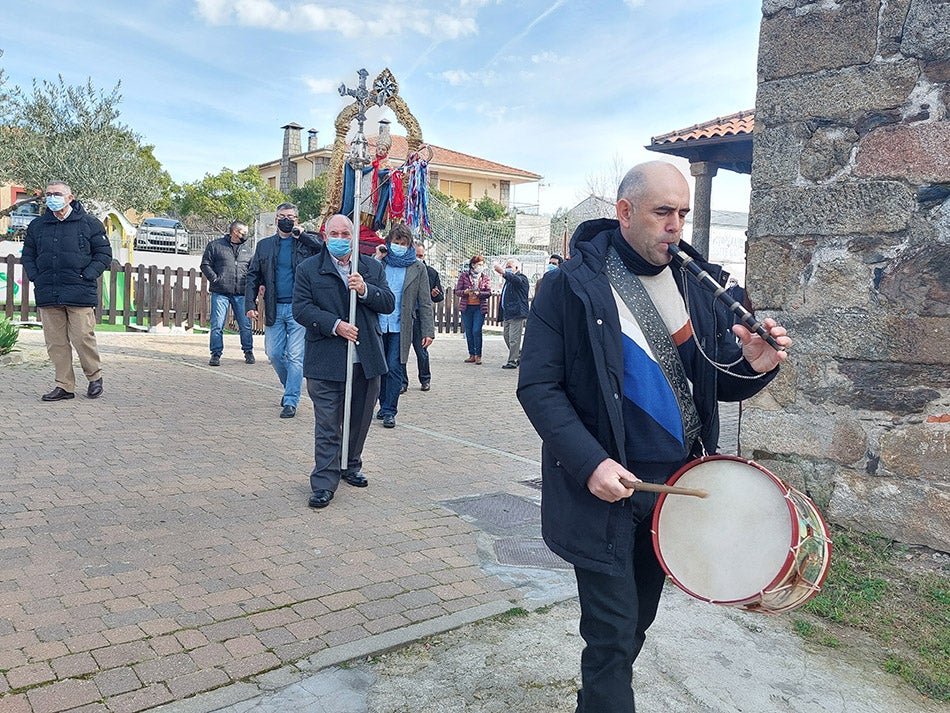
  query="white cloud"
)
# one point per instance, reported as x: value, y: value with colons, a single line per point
x: 372, y: 19
x: 459, y: 77
x: 547, y: 58
x: 321, y: 86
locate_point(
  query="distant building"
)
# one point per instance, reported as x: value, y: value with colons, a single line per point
x: 459, y: 175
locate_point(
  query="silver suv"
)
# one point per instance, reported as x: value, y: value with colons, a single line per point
x: 165, y: 235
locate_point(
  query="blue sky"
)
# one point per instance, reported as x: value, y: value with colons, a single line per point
x: 569, y: 89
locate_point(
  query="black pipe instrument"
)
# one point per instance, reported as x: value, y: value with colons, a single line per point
x: 687, y: 263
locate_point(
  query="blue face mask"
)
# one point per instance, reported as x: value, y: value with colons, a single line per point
x: 398, y: 250
x: 55, y: 202
x: 338, y: 247
x: 550, y: 268
x: 508, y: 271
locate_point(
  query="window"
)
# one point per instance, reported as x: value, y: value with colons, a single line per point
x: 457, y: 189
x: 504, y: 192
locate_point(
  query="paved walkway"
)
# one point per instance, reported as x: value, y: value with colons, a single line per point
x: 157, y: 543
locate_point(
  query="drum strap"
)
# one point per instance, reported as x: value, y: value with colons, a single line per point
x: 638, y: 301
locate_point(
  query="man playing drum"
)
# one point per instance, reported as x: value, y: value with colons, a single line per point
x: 614, y: 382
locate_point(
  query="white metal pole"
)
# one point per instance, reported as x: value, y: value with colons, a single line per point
x: 351, y: 346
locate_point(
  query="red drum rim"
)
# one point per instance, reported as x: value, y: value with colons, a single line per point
x: 793, y: 516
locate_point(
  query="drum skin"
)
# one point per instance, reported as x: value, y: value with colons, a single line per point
x: 753, y: 542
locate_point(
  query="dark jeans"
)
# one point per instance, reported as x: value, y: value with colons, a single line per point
x: 472, y: 321
x: 422, y: 356
x: 327, y: 397
x: 615, y: 614
x: 391, y: 382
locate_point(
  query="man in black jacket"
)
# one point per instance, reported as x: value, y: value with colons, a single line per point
x: 422, y: 353
x: 514, y: 308
x: 322, y: 305
x: 615, y: 380
x: 64, y: 253
x: 224, y: 263
x: 271, y: 275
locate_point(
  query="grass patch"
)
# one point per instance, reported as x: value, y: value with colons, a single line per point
x: 870, y: 587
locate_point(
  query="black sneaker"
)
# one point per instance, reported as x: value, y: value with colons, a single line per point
x: 215, y: 360
x: 249, y: 358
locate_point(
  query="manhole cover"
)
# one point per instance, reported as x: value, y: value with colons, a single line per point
x: 527, y: 552
x: 498, y: 510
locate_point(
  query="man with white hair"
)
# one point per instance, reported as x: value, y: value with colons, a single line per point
x: 514, y: 308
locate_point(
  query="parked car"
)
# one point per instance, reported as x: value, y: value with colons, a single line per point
x: 162, y: 235
x: 21, y: 218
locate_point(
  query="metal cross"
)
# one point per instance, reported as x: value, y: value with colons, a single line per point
x: 359, y: 153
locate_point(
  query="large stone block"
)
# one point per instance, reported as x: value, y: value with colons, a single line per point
x: 785, y: 433
x: 836, y: 209
x: 837, y: 279
x: 821, y: 38
x: 776, y: 152
x: 919, y: 153
x: 927, y: 30
x: 827, y: 152
x: 893, y: 16
x: 917, y: 281
x: 841, y: 95
x: 773, y: 272
x: 815, y: 479
x: 911, y: 512
x: 882, y: 386
x: 919, y: 451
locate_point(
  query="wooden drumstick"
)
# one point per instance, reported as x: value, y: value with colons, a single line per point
x: 657, y: 488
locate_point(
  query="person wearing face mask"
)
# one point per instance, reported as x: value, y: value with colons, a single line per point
x: 422, y: 354
x: 514, y: 308
x: 554, y: 262
x: 271, y: 276
x: 224, y: 263
x: 409, y: 280
x: 473, y: 290
x: 322, y: 305
x: 64, y: 253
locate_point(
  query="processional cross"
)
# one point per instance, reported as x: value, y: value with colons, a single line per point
x: 358, y: 159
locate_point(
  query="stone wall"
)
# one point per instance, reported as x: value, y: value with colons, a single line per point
x: 849, y: 246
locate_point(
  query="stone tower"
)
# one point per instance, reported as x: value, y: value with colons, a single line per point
x: 288, y: 169
x: 849, y: 247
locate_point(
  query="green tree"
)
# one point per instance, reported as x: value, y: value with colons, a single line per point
x: 310, y: 197
x: 229, y: 195
x: 72, y: 133
x: 486, y: 208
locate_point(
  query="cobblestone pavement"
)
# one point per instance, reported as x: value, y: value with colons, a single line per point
x: 157, y: 543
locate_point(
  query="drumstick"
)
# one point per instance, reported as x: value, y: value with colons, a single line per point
x: 657, y: 488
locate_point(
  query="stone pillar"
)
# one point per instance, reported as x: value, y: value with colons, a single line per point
x: 312, y: 143
x: 849, y: 247
x: 703, y: 172
x: 288, y: 169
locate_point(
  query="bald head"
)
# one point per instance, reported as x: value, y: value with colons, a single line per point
x: 652, y: 204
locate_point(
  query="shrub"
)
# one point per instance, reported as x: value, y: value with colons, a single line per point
x: 9, y: 333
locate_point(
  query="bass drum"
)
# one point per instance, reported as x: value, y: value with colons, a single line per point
x: 753, y: 542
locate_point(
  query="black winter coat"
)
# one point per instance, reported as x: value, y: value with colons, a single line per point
x: 225, y: 265
x: 321, y: 298
x: 571, y: 384
x: 515, y: 293
x: 263, y: 270
x: 64, y: 258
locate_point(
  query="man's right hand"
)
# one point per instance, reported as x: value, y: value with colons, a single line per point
x: 604, y: 482
x: 348, y: 331
x: 252, y: 314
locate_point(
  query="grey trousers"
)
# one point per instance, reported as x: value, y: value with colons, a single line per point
x: 327, y: 397
x: 513, y: 330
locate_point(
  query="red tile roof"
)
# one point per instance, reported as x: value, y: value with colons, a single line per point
x: 739, y: 124
x: 448, y: 158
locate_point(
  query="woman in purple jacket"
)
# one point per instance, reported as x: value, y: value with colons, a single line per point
x: 473, y: 290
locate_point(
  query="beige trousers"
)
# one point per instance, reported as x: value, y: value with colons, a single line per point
x: 66, y: 328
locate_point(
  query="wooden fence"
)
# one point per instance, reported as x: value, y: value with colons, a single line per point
x: 143, y: 297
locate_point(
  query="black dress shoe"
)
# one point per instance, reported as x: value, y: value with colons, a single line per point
x: 379, y: 415
x: 425, y: 386
x: 356, y: 478
x: 389, y: 421
x: 320, y: 498
x: 509, y: 365
x: 288, y: 411
x: 58, y: 394
x: 249, y: 358
x: 215, y: 360
x: 95, y: 389
x: 404, y: 389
